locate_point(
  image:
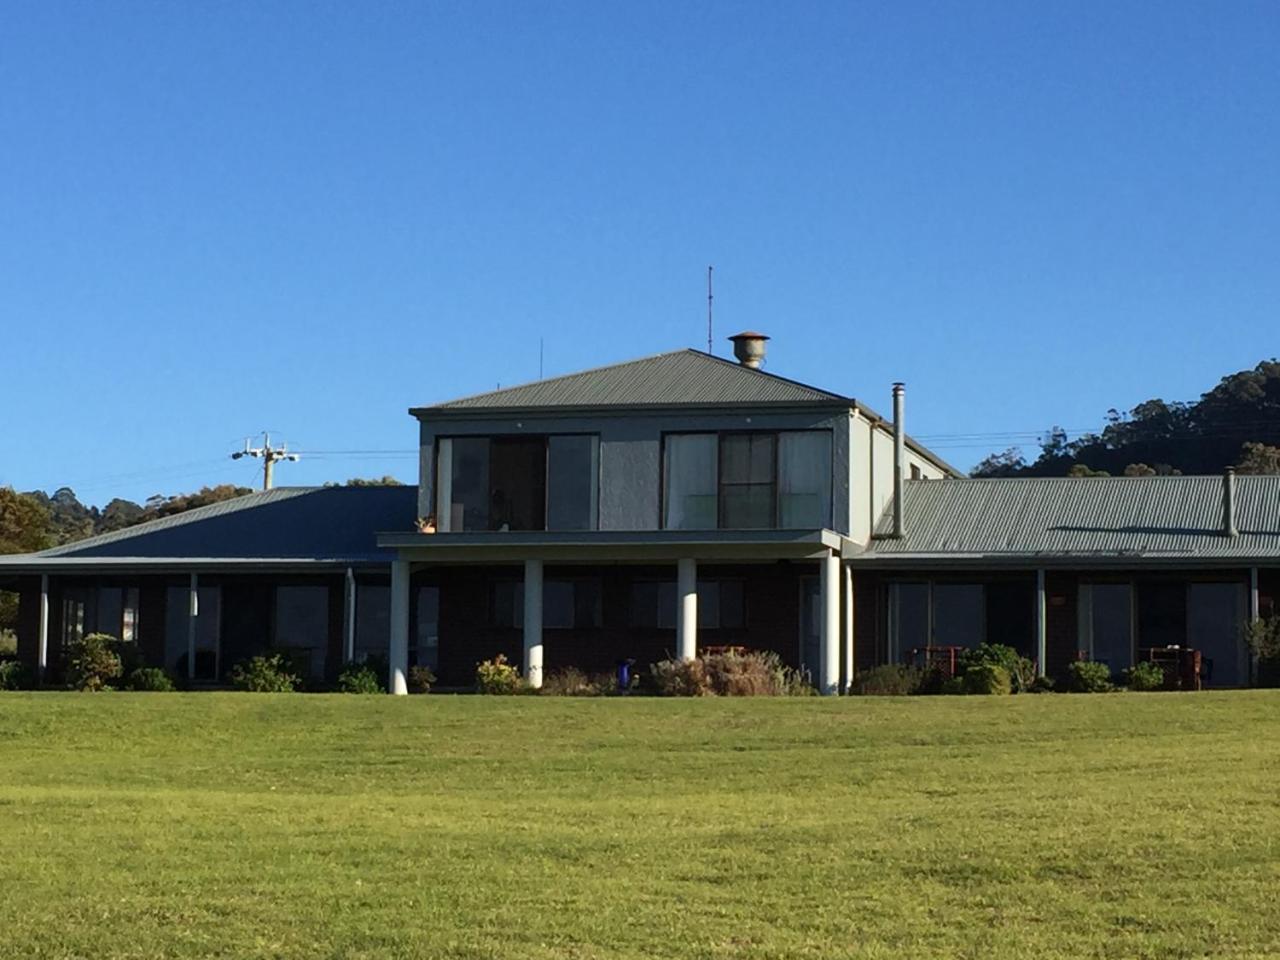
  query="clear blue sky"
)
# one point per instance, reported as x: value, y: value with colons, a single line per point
x: 222, y: 217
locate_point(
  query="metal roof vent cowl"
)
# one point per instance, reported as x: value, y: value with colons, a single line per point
x: 748, y: 347
x: 1229, y: 528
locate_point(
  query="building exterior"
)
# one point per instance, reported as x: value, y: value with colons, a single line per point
x: 660, y: 507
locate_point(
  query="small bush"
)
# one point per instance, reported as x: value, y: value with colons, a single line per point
x: 265, y: 674
x: 572, y: 682
x: 8, y: 644
x: 1089, y: 676
x: 1262, y: 637
x: 1021, y: 671
x: 952, y: 686
x: 680, y: 678
x: 360, y: 678
x: 421, y: 679
x: 1145, y: 676
x: 754, y: 673
x: 497, y: 676
x: 14, y: 675
x: 149, y: 679
x: 92, y: 662
x: 987, y: 678
x: 890, y: 680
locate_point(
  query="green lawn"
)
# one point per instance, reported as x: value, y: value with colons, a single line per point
x: 240, y: 825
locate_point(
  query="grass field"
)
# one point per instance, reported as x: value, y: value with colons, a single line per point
x: 238, y: 825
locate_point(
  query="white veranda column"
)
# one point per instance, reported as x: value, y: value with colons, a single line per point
x: 349, y: 618
x: 398, y: 642
x: 830, y: 584
x: 533, y: 623
x: 42, y: 653
x: 848, y: 629
x: 193, y: 617
x: 1042, y: 627
x: 687, y: 608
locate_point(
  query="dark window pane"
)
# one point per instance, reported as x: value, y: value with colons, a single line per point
x: 518, y: 481
x: 732, y: 605
x: 469, y: 493
x: 958, y: 615
x: 507, y: 603
x: 557, y: 604
x: 571, y: 483
x: 746, y: 507
x: 909, y: 609
x: 708, y: 604
x: 586, y: 604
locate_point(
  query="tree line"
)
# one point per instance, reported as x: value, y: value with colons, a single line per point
x: 1237, y: 423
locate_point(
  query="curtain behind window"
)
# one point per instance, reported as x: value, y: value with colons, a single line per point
x: 690, y: 490
x: 804, y: 479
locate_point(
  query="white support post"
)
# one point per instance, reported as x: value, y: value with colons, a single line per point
x: 193, y: 619
x: 398, y: 642
x: 1255, y: 611
x: 848, y: 629
x: 533, y: 623
x: 42, y: 653
x: 1042, y: 627
x: 349, y: 625
x: 687, y: 608
x: 829, y: 682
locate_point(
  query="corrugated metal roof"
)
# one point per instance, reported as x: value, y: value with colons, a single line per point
x: 304, y: 523
x: 1089, y: 516
x: 679, y: 377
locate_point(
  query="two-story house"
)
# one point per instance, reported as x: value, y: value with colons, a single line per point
x: 660, y: 507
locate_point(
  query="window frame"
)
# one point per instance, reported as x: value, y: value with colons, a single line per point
x: 719, y: 435
x: 441, y: 511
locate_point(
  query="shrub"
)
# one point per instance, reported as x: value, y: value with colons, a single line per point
x: 987, y: 678
x: 497, y: 676
x: 951, y: 686
x: 890, y: 680
x: 1262, y: 637
x: 421, y: 679
x: 360, y: 678
x: 681, y: 678
x: 151, y: 679
x: 572, y: 682
x: 14, y: 675
x: 92, y: 662
x: 1145, y: 676
x: 1021, y: 671
x: 1089, y: 676
x: 754, y: 673
x: 265, y: 674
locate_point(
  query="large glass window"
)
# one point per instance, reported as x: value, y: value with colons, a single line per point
x: 747, y: 481
x: 571, y: 483
x: 689, y: 493
x: 566, y: 604
x: 208, y: 631
x: 373, y: 621
x: 935, y: 615
x: 1106, y: 624
x: 426, y: 648
x: 302, y: 626
x: 517, y: 483
x: 908, y: 619
x: 721, y: 604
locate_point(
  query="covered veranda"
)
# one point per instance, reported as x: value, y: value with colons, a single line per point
x: 537, y: 555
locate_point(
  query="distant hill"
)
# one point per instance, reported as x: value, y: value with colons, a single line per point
x: 1236, y: 423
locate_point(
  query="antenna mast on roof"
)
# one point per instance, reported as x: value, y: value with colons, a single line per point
x: 709, y: 299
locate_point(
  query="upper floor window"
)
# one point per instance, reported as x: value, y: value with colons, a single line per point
x: 517, y: 483
x: 747, y: 481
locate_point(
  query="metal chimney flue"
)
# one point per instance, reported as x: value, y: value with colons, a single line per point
x: 899, y: 457
x: 1229, y: 528
x: 748, y: 347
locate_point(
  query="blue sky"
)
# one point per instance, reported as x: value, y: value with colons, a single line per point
x: 220, y: 218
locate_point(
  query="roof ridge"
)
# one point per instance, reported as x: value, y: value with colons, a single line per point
x: 561, y: 376
x: 769, y: 373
